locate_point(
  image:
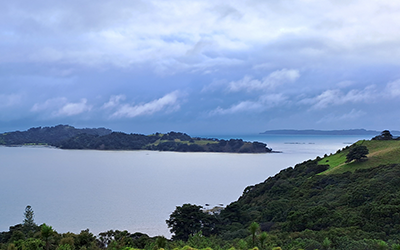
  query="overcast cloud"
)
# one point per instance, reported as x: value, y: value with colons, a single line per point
x: 233, y: 67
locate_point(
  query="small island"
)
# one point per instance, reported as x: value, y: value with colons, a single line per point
x: 69, y: 137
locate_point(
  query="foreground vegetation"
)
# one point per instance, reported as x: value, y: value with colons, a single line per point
x: 334, y: 202
x: 68, y: 137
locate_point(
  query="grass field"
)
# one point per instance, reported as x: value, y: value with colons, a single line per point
x: 380, y: 153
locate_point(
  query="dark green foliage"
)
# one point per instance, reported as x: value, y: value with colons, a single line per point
x: 33, y: 244
x: 46, y: 233
x: 262, y: 238
x: 6, y: 236
x: 357, y: 153
x: 161, y: 242
x: 84, y: 239
x: 254, y: 228
x: 113, y: 141
x: 29, y: 223
x: 176, y: 136
x: 123, y: 239
x: 238, y: 146
x: 48, y: 135
x: 385, y: 135
x: 81, y: 141
x: 188, y: 220
x: 177, y: 146
x: 297, y: 199
x: 68, y: 239
x: 17, y: 235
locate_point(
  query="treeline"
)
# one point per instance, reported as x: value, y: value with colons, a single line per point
x: 68, y: 137
x: 44, y: 237
x: 48, y: 135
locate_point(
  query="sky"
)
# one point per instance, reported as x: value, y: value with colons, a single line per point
x: 200, y: 67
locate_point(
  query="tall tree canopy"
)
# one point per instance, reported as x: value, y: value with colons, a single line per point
x: 188, y: 220
x: 29, y: 223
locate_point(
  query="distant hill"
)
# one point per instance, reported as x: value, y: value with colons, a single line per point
x: 325, y: 132
x: 68, y: 137
x: 48, y: 135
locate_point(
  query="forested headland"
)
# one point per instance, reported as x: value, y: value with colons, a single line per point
x: 347, y: 200
x: 68, y: 137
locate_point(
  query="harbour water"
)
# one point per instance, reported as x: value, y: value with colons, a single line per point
x: 73, y: 190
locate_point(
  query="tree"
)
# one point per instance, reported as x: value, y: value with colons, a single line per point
x: 161, y: 242
x: 326, y: 244
x: 188, y: 220
x: 385, y: 135
x: 46, y: 232
x: 67, y: 240
x: 254, y: 228
x: 357, y: 153
x: 84, y: 239
x: 29, y: 223
x: 33, y: 244
x: 263, y: 238
x: 64, y: 247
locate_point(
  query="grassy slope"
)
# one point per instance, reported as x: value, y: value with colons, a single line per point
x: 380, y: 153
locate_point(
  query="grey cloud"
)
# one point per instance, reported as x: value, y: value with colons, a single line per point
x: 214, y: 86
x: 49, y: 104
x: 114, y: 101
x: 252, y: 53
x: 124, y: 33
x: 168, y: 103
x: 333, y: 97
x: 263, y: 103
x: 269, y: 82
x: 227, y: 11
x: 240, y: 107
x: 393, y: 88
x: 71, y: 109
x: 61, y: 107
x: 202, y: 64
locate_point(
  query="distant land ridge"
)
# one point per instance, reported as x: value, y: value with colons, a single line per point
x: 68, y: 137
x: 325, y: 132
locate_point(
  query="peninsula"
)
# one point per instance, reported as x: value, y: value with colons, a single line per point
x: 68, y: 137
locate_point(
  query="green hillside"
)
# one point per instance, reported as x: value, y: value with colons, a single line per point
x: 326, y: 198
x: 381, y: 152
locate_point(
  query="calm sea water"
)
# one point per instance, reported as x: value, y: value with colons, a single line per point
x: 73, y: 190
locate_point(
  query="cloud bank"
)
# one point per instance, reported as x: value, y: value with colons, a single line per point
x: 309, y: 64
